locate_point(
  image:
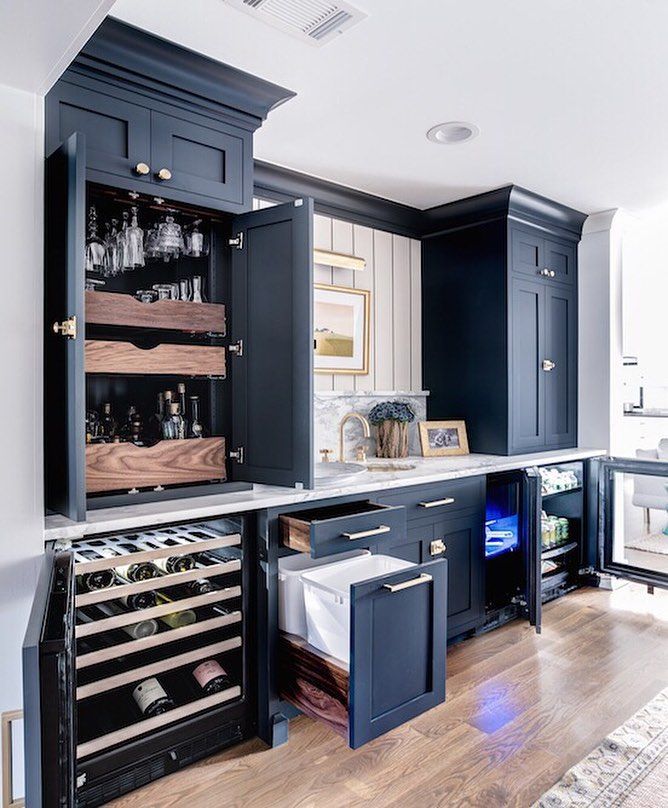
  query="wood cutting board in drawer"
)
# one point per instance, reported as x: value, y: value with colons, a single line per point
x: 121, y: 466
x: 112, y: 308
x: 116, y: 357
x: 331, y: 529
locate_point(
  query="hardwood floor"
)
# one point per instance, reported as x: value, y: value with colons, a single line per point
x: 521, y: 709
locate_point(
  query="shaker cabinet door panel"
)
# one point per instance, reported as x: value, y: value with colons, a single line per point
x: 561, y: 380
x: 64, y: 379
x: 527, y: 252
x: 560, y: 260
x: 272, y: 314
x: 117, y: 133
x: 527, y: 404
x: 397, y: 649
x: 202, y: 160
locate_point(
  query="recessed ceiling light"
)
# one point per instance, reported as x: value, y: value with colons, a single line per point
x: 453, y: 133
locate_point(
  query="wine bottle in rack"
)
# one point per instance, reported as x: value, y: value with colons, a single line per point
x: 111, y: 608
x: 202, y: 586
x: 139, y: 600
x: 101, y: 579
x: 211, y: 677
x: 167, y: 564
x: 151, y: 698
x: 176, y: 619
x: 139, y: 571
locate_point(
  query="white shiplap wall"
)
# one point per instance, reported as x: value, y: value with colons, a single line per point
x: 392, y: 275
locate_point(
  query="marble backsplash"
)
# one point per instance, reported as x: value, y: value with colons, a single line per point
x: 330, y: 407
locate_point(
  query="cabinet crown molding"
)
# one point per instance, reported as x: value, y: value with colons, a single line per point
x: 120, y: 52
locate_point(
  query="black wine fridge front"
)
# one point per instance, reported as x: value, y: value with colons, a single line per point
x: 136, y: 659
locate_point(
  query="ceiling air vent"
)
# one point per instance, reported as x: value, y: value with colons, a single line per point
x: 313, y: 21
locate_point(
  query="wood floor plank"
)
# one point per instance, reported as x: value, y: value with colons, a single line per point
x: 521, y: 710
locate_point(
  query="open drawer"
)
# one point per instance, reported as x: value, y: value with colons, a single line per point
x: 335, y: 528
x: 397, y: 657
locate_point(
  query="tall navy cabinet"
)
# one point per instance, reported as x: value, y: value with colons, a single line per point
x: 500, y: 320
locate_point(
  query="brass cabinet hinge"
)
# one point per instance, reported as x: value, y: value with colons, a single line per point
x: 237, y: 241
x: 68, y: 327
x: 236, y: 348
x: 238, y: 455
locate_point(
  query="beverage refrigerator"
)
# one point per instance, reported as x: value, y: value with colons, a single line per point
x: 137, y: 658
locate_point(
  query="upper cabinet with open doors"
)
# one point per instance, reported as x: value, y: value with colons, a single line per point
x: 178, y: 340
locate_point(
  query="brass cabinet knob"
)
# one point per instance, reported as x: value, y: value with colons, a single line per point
x: 142, y: 169
x: 164, y: 174
x: 437, y: 547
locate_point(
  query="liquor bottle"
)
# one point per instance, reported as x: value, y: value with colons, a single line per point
x: 108, y: 426
x: 173, y: 427
x: 196, y: 430
x: 177, y: 619
x: 181, y: 388
x: 211, y: 676
x: 151, y: 698
x: 91, y: 581
x: 132, y: 429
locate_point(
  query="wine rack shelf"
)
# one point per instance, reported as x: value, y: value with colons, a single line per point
x: 113, y: 308
x: 116, y: 357
x: 122, y: 466
x: 155, y: 668
x: 155, y: 640
x: 157, y: 722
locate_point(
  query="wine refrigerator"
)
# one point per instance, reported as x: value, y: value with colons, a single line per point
x: 136, y: 658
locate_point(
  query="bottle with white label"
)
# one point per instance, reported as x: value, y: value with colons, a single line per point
x: 177, y: 619
x: 151, y: 698
x: 211, y: 676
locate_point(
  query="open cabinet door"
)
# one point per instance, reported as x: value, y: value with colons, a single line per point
x: 628, y: 511
x: 48, y: 687
x: 272, y: 317
x: 64, y: 377
x: 530, y: 526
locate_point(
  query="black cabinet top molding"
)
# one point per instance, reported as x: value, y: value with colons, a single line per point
x: 510, y: 201
x: 283, y: 184
x: 120, y: 53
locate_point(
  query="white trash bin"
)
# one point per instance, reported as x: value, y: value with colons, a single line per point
x: 327, y: 599
x: 291, y: 611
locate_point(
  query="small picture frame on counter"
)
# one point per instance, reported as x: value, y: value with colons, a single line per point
x: 442, y: 438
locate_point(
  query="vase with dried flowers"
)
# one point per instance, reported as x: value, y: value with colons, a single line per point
x: 391, y: 419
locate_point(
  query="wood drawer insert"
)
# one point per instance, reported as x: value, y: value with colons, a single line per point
x: 335, y: 528
x: 121, y: 466
x: 112, y: 308
x: 117, y: 357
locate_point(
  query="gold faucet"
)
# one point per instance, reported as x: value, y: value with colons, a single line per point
x: 366, y: 430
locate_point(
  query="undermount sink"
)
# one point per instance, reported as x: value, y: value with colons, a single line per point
x: 337, y: 472
x: 374, y: 467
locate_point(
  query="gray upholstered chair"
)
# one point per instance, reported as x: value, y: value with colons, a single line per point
x: 650, y: 492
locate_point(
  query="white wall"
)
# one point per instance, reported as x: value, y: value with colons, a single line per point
x: 393, y: 276
x: 21, y: 505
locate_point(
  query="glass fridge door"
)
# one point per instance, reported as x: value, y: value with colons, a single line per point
x: 632, y: 519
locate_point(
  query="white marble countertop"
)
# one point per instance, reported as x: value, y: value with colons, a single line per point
x: 427, y: 470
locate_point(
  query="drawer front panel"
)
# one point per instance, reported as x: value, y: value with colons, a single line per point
x: 334, y: 529
x: 108, y: 356
x: 397, y: 649
x: 438, y: 499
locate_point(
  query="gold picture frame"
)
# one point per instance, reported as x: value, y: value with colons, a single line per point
x: 442, y: 438
x: 341, y: 330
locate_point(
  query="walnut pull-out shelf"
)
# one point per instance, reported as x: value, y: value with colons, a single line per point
x: 397, y: 657
x: 123, y: 358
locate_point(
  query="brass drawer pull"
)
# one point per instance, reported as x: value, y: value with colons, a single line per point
x: 421, y: 579
x: 364, y: 534
x: 436, y: 502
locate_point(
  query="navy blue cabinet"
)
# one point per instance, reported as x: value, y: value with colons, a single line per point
x: 499, y: 328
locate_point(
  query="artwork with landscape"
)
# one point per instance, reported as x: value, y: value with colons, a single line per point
x: 341, y: 329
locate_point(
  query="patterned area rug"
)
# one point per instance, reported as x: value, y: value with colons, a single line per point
x: 629, y: 769
x: 650, y: 543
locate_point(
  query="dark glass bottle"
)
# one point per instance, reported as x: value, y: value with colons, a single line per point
x: 211, y: 676
x: 108, y: 425
x: 140, y: 600
x: 91, y: 581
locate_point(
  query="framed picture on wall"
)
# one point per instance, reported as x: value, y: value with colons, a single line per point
x: 439, y: 438
x: 341, y: 329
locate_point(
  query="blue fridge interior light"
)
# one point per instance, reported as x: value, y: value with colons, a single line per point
x: 501, y: 520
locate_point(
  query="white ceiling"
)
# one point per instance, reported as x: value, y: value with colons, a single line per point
x: 39, y: 38
x: 571, y: 96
